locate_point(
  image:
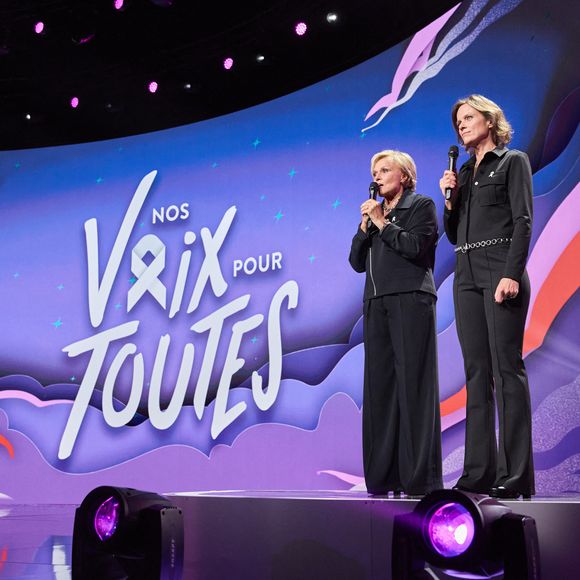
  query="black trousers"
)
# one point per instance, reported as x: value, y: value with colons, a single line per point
x: 401, y: 421
x: 491, y: 338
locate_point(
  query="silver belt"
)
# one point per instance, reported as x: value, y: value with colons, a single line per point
x: 483, y: 244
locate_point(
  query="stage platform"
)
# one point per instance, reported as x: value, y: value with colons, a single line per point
x: 289, y: 535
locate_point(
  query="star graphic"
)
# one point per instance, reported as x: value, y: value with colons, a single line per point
x: 132, y: 280
x: 142, y: 225
x: 57, y: 323
x: 262, y: 197
x: 73, y: 378
x: 336, y: 203
x: 16, y: 274
x: 312, y: 258
x: 119, y: 149
x: 99, y: 180
x: 306, y: 228
x: 118, y: 305
x: 214, y: 164
x: 18, y: 165
x: 292, y: 173
x: 60, y: 287
x: 363, y: 134
x: 278, y: 216
x: 256, y: 142
x: 253, y: 340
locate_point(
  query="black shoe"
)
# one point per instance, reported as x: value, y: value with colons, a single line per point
x: 502, y: 492
x: 458, y: 487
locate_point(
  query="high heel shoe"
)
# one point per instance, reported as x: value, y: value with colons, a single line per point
x: 502, y: 492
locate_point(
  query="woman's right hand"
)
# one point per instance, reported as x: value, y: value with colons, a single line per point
x: 449, y: 181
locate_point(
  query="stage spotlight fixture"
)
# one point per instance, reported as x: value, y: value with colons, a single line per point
x: 464, y: 535
x: 260, y: 58
x: 152, y: 87
x: 39, y: 27
x: 127, y: 534
x: 74, y: 102
x: 332, y: 17
x: 301, y: 28
x: 228, y: 63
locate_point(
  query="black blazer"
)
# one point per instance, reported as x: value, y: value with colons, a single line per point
x: 401, y: 258
x: 496, y: 202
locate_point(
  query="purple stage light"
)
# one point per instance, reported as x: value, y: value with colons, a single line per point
x: 450, y: 529
x: 153, y: 86
x: 107, y: 518
x: 74, y: 102
x: 118, y: 4
x: 228, y: 63
x: 301, y: 28
x: 39, y: 27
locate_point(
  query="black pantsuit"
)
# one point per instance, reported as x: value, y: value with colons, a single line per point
x: 494, y: 205
x: 401, y: 421
x: 401, y: 425
x: 491, y: 337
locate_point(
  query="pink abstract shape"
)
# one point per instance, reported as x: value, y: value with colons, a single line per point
x: 413, y: 60
x: 32, y: 399
x: 346, y: 477
x: 554, y: 239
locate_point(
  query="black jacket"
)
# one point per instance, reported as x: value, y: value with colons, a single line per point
x: 495, y: 203
x: 401, y: 258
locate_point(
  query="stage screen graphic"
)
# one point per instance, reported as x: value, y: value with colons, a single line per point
x: 178, y: 310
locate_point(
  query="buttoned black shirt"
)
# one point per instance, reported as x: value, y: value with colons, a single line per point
x: 495, y: 202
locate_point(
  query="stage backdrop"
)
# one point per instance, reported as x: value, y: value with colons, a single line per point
x: 177, y: 308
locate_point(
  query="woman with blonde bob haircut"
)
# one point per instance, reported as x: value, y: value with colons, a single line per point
x: 488, y: 216
x: 395, y: 247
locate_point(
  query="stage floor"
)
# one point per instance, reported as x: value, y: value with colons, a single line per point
x: 274, y: 535
x: 315, y: 535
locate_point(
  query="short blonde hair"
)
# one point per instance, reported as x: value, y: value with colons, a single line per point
x: 501, y: 130
x: 403, y: 161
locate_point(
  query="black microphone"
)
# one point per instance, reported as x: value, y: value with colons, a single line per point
x: 453, y: 155
x: 374, y: 189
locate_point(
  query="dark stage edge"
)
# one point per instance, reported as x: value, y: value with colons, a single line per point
x: 316, y: 535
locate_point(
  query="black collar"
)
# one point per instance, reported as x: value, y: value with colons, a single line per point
x: 498, y: 152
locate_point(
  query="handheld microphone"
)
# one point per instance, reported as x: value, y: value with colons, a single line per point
x: 374, y: 189
x: 453, y: 155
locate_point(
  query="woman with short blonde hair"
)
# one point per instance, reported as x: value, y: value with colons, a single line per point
x: 395, y: 247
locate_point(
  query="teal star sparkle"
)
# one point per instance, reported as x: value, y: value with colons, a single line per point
x: 60, y: 287
x: 118, y: 305
x: 132, y: 280
x: 18, y: 165
x: 278, y: 216
x: 57, y: 323
x: 16, y: 274
x: 312, y: 258
x: 253, y: 340
x: 262, y: 197
x: 292, y: 173
x: 73, y: 378
x: 363, y: 134
x: 336, y: 203
x: 215, y: 164
x: 100, y: 180
x: 256, y: 142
